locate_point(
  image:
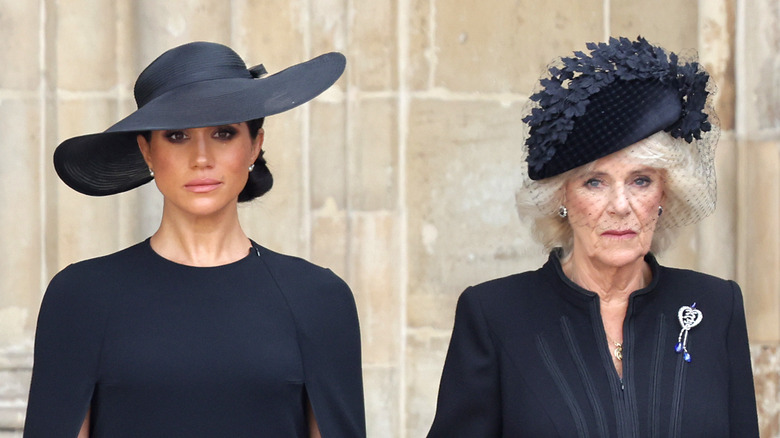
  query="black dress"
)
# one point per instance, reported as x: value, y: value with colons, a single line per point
x: 529, y: 358
x: 158, y: 349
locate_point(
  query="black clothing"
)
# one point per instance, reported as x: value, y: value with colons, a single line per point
x: 529, y: 358
x: 159, y: 349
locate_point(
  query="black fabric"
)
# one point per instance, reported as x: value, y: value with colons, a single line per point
x: 529, y: 358
x: 158, y: 349
x: 617, y: 117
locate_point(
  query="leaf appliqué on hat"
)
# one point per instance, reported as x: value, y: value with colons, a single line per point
x: 565, y: 95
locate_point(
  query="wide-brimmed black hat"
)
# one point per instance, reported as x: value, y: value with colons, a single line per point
x: 194, y: 85
x: 591, y: 105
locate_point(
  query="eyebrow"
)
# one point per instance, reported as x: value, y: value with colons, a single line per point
x: 640, y: 171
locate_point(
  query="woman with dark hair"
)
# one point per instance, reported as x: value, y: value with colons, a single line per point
x: 602, y: 341
x: 197, y: 331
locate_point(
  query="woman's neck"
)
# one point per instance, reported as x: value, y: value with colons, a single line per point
x: 200, y: 241
x: 609, y: 282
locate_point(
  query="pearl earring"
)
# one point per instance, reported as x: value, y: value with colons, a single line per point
x: 151, y: 172
x: 252, y: 167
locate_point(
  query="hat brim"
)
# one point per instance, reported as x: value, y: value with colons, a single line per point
x: 110, y: 162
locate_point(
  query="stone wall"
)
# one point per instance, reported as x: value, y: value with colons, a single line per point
x: 400, y: 178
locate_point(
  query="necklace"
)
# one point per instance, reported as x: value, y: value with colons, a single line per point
x: 618, y: 351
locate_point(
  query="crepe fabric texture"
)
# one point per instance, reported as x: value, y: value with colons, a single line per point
x: 529, y: 358
x: 158, y: 349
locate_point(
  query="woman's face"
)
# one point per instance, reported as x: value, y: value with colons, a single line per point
x: 613, y: 209
x: 201, y: 171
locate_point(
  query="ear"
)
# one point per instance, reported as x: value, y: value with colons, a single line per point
x: 145, y: 148
x: 257, y: 144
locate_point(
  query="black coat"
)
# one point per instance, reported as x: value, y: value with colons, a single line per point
x: 529, y: 358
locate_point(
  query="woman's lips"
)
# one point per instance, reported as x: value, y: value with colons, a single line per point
x: 202, y: 185
x: 619, y: 234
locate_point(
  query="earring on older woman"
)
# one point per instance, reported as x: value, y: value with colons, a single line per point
x: 660, y: 210
x: 251, y: 167
x: 562, y: 211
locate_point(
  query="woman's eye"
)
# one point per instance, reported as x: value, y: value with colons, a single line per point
x: 642, y: 181
x: 175, y: 136
x: 593, y: 182
x: 225, y: 133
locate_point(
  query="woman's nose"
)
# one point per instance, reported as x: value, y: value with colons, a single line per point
x: 619, y: 203
x: 201, y: 154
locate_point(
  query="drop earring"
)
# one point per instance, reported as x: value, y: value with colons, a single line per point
x: 660, y: 210
x: 151, y: 172
x: 252, y: 167
x: 562, y: 211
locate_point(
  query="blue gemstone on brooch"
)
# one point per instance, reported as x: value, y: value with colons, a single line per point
x: 678, y: 348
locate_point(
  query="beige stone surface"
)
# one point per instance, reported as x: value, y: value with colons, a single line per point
x: 162, y: 25
x: 760, y: 236
x: 330, y: 239
x: 383, y: 417
x: 328, y: 154
x: 717, y: 39
x: 86, y: 63
x: 505, y: 47
x: 21, y: 243
x: 375, y: 279
x: 766, y: 372
x: 425, y: 352
x: 420, y: 63
x: 269, y: 32
x: 15, y: 374
x: 374, y: 62
x: 19, y: 23
x: 372, y: 155
x: 328, y: 28
x: 669, y: 23
x: 461, y: 180
x: 760, y: 69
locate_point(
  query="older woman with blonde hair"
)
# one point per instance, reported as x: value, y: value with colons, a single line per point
x: 602, y: 340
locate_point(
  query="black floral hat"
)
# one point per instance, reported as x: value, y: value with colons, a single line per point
x: 624, y: 91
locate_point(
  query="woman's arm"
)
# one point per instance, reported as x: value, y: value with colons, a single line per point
x: 67, y: 344
x: 469, y: 403
x: 743, y: 418
x: 314, y: 429
x: 84, y: 433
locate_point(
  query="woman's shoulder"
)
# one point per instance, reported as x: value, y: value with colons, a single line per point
x: 98, y: 269
x: 718, y: 298
x: 79, y: 288
x: 521, y: 286
x: 294, y: 274
x: 317, y: 296
x: 284, y: 263
x: 695, y: 280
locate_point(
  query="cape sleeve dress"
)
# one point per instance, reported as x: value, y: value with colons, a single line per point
x: 159, y: 349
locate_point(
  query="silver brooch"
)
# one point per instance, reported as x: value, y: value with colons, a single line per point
x: 689, y: 317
